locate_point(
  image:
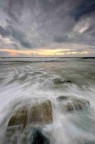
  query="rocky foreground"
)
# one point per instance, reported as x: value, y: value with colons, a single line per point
x: 26, y: 121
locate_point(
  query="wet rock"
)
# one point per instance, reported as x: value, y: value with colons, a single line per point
x: 23, y: 117
x: 39, y: 113
x: 76, y: 104
x: 60, y: 81
x: 67, y: 81
x: 70, y: 104
x: 61, y: 98
x: 19, y: 117
x: 38, y: 138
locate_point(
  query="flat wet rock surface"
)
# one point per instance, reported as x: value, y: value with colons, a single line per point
x: 37, y: 113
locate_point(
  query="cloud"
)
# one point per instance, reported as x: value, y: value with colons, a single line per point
x: 15, y: 35
x: 85, y: 8
x: 4, y: 32
x: 61, y: 39
x: 83, y: 25
x: 33, y: 24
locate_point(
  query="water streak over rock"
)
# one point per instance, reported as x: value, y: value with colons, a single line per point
x: 70, y: 104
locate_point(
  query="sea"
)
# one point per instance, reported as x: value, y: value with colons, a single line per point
x: 34, y: 78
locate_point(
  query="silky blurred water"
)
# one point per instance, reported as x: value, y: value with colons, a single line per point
x: 20, y: 81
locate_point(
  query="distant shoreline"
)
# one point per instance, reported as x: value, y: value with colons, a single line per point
x: 51, y: 57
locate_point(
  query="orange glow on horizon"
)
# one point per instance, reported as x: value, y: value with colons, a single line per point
x: 42, y: 52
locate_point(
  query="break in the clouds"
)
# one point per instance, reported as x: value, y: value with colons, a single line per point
x: 47, y: 24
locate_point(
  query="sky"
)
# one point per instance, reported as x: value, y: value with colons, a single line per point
x: 30, y: 28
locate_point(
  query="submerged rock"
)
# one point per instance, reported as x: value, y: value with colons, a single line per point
x: 85, y: 141
x: 30, y: 135
x: 61, y: 98
x: 67, y: 81
x: 58, y: 81
x: 76, y: 105
x: 13, y: 135
x: 40, y: 113
x: 61, y: 81
x: 73, y: 103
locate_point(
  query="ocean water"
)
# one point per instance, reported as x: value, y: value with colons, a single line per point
x: 23, y: 79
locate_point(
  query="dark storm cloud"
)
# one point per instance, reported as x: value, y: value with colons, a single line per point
x: 14, y: 8
x: 51, y: 16
x: 16, y: 35
x: 20, y: 36
x: 40, y: 23
x: 86, y: 7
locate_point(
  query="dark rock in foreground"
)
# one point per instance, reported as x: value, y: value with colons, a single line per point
x: 38, y: 138
x: 34, y: 136
x: 39, y: 113
x: 15, y: 135
x: 19, y: 117
x: 19, y: 127
x: 69, y: 104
